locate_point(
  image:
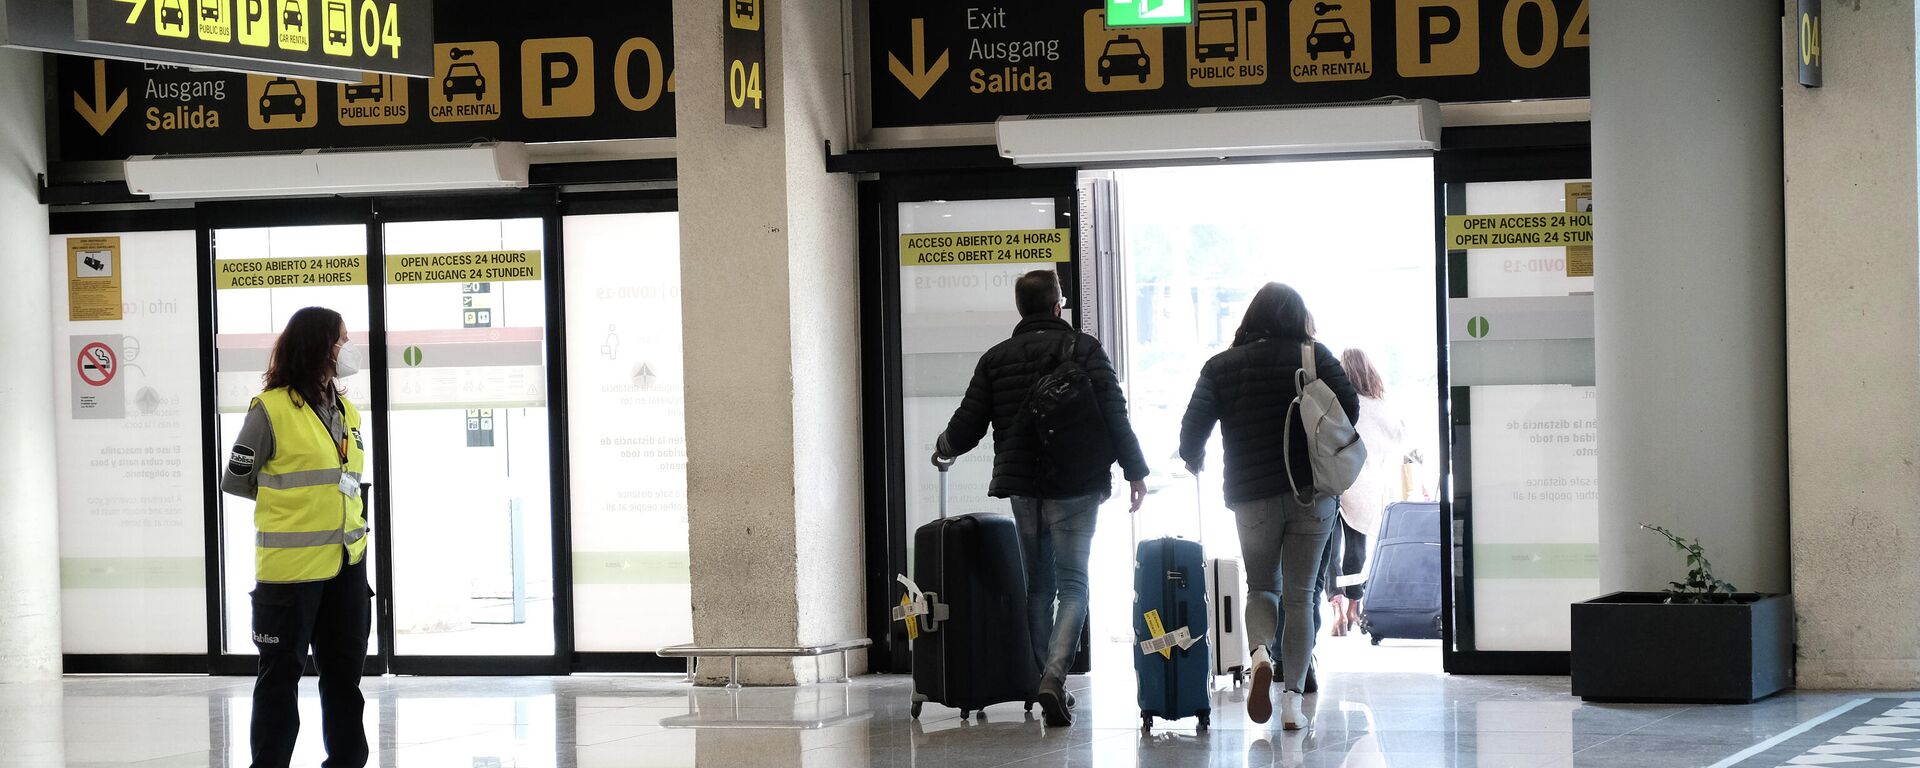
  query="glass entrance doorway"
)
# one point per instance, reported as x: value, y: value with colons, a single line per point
x: 459, y: 456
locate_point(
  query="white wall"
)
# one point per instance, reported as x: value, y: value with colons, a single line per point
x: 1853, y: 349
x: 1689, y: 321
x: 29, y: 540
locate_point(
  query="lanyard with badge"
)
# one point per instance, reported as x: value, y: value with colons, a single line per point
x: 348, y: 486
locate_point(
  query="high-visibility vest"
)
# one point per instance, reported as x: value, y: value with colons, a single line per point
x: 303, y: 518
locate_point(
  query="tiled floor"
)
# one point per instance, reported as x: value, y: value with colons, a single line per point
x: 1364, y: 720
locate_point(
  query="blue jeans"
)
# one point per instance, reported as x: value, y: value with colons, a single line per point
x: 1056, y: 536
x: 1285, y: 545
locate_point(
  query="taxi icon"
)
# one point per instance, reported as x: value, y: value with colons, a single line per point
x: 1124, y: 56
x: 173, y: 13
x: 1330, y: 36
x: 282, y: 97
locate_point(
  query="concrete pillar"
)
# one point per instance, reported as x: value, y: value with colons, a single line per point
x: 770, y: 290
x: 1853, y: 349
x: 1690, y: 350
x: 29, y: 530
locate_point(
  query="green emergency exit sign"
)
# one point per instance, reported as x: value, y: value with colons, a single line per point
x: 1140, y: 13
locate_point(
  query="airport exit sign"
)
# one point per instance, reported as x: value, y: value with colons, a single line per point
x: 1140, y: 13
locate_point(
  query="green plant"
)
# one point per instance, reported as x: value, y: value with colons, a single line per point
x: 1700, y: 586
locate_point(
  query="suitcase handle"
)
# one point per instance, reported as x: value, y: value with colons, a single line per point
x: 944, y: 463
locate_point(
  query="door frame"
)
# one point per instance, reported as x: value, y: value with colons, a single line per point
x: 884, y: 443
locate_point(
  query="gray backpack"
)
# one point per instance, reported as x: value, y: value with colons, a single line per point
x: 1334, y: 447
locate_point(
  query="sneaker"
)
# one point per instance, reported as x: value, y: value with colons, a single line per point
x: 1260, y: 698
x: 1292, y: 716
x: 1055, y: 704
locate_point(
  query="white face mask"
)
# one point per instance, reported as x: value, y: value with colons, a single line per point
x: 347, y: 361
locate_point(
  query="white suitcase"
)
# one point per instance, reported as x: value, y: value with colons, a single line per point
x: 1227, y: 600
x: 1227, y: 595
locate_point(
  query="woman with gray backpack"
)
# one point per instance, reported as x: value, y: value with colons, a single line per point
x: 1286, y: 414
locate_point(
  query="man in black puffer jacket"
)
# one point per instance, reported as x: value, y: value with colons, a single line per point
x: 1054, y: 502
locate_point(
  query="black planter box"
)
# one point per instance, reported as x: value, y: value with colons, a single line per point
x: 1633, y: 647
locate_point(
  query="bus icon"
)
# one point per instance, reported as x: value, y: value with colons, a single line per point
x: 336, y: 22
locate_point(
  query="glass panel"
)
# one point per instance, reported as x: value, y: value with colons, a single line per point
x: 132, y: 537
x: 247, y: 321
x: 950, y: 314
x: 627, y: 433
x: 471, y: 498
x: 1522, y: 344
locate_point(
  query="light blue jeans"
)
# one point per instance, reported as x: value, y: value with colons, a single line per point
x: 1284, y: 544
x: 1056, y: 536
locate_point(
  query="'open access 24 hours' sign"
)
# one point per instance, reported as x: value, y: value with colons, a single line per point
x: 389, y: 36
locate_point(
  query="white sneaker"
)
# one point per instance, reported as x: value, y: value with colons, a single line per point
x: 1292, y: 714
x: 1260, y: 694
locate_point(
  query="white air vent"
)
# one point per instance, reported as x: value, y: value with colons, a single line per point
x: 475, y: 166
x: 1121, y: 139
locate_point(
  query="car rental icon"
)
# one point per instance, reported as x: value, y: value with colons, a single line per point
x: 1330, y: 36
x: 463, y: 77
x: 292, y: 18
x: 282, y: 97
x: 1124, y: 56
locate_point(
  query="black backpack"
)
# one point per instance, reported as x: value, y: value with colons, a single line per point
x: 1064, y: 413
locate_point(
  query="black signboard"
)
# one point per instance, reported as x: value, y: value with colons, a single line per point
x: 501, y: 71
x: 940, y: 62
x: 393, y: 36
x: 1808, y: 20
x: 744, y: 40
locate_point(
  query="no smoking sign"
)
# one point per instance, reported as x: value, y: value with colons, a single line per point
x: 97, y: 364
x: 98, y: 389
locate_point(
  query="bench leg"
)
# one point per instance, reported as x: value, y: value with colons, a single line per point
x: 846, y: 666
x: 693, y: 663
x: 733, y: 678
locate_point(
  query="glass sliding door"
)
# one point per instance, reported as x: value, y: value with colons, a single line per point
x: 472, y: 533
x: 262, y: 275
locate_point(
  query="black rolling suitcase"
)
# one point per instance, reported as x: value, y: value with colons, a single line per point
x: 969, y: 630
x: 1403, y: 581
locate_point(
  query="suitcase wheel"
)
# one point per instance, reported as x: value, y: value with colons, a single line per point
x: 980, y: 715
x: 1206, y: 719
x: 916, y: 710
x: 966, y: 713
x: 1376, y: 639
x: 1146, y: 721
x: 1029, y: 706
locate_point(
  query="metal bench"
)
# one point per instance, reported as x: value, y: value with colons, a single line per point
x: 692, y: 654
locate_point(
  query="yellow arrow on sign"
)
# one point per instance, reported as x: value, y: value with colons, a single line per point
x: 102, y: 117
x: 134, y: 15
x: 920, y: 79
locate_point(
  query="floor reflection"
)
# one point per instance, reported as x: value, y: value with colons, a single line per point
x: 1374, y: 720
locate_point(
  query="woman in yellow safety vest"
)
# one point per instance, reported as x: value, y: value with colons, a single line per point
x: 299, y: 457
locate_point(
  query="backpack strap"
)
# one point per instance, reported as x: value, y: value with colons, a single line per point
x: 1306, y: 375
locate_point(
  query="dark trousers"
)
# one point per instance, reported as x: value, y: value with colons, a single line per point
x: 1346, y: 556
x: 332, y: 617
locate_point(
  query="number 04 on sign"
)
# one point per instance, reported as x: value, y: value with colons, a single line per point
x: 744, y: 44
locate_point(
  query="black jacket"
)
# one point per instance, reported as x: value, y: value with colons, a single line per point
x: 999, y: 388
x: 1247, y: 389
